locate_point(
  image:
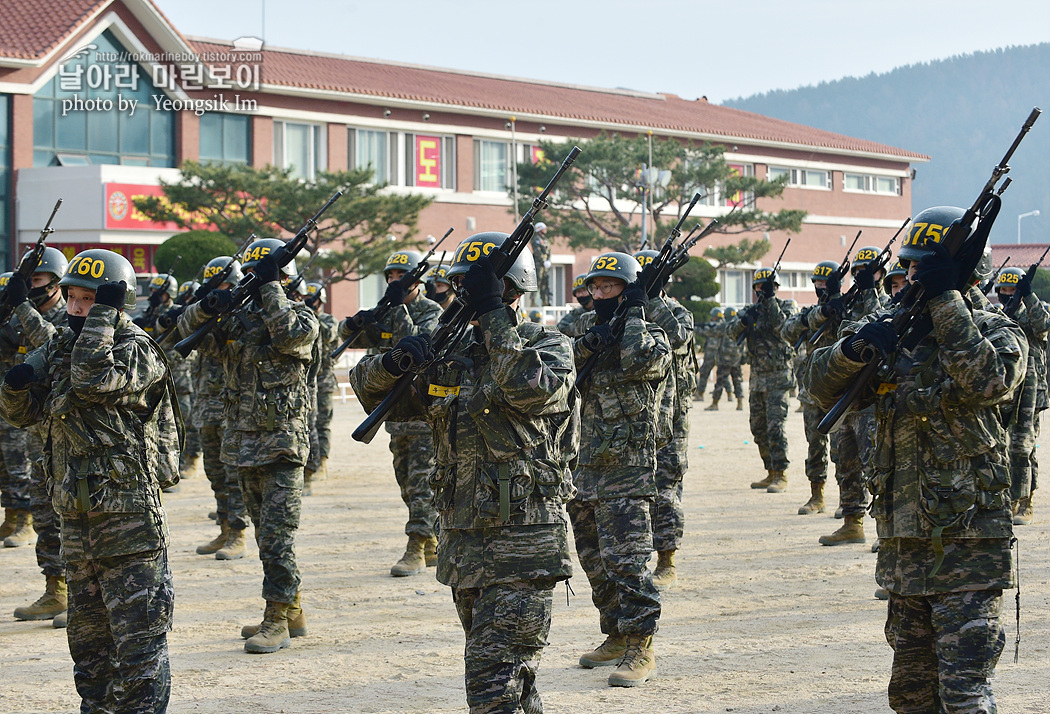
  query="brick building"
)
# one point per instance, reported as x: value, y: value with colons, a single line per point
x: 70, y: 70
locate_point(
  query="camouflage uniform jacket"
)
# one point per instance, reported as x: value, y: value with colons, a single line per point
x: 940, y: 470
x: 419, y: 316
x: 714, y: 333
x: 106, y: 402
x: 28, y: 329
x: 676, y: 393
x: 569, y: 324
x: 505, y: 430
x: 265, y: 362
x: 770, y: 354
x: 730, y: 354
x: 806, y: 322
x: 208, y: 404
x: 620, y: 412
x: 1034, y: 319
x: 329, y: 340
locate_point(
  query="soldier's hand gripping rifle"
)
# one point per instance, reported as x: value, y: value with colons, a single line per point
x: 360, y: 320
x: 243, y: 292
x: 747, y: 311
x: 1014, y: 302
x: 964, y: 242
x: 835, y: 278
x: 30, y: 262
x: 456, y: 318
x: 990, y: 284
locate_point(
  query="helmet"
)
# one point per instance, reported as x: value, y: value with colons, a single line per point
x: 984, y: 268
x: 764, y: 275
x: 644, y: 257
x: 317, y: 289
x: 5, y: 278
x: 793, y: 304
x: 535, y: 315
x: 258, y: 249
x: 437, y: 274
x: 190, y: 286
x: 403, y: 260
x: 929, y: 225
x: 895, y: 269
x: 300, y: 285
x: 864, y: 256
x: 164, y: 283
x: 539, y: 226
x: 91, y: 268
x: 730, y: 312
x: 822, y: 270
x: 614, y: 265
x: 716, y: 313
x: 580, y: 281
x: 1009, y: 278
x: 522, y: 274
x: 217, y: 265
x: 52, y: 261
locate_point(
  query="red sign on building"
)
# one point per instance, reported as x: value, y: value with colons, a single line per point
x: 122, y: 214
x: 428, y: 161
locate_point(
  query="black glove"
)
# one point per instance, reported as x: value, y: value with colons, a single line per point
x: 267, y: 270
x: 864, y: 279
x: 111, y: 294
x: 170, y: 318
x: 879, y: 336
x: 218, y: 301
x: 768, y: 289
x: 409, y: 352
x: 1024, y: 287
x: 745, y: 318
x: 17, y: 290
x: 937, y: 272
x: 833, y: 285
x: 658, y: 286
x: 20, y: 376
x: 395, y: 293
x: 140, y: 322
x: 634, y: 296
x: 155, y: 298
x: 362, y: 319
x: 484, y: 291
x: 833, y: 308
x: 201, y: 292
x: 598, y: 337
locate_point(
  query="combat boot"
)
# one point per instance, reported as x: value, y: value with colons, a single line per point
x: 23, y: 533
x: 296, y: 621
x: 638, y: 663
x: 430, y: 551
x: 779, y: 483
x: 606, y: 654
x: 59, y: 623
x: 234, y: 547
x: 10, y: 520
x: 51, y: 603
x: 764, y: 483
x: 713, y: 407
x: 740, y: 404
x: 875, y: 546
x: 322, y: 470
x: 217, y: 542
x: 273, y: 632
x: 190, y: 468
x: 815, y: 504
x: 1023, y: 515
x: 308, y: 477
x: 665, y: 576
x: 851, y: 531
x: 882, y: 594
x: 413, y: 562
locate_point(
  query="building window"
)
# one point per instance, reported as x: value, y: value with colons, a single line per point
x: 736, y: 287
x: 299, y: 147
x: 865, y: 183
x: 430, y: 161
x: 375, y: 150
x: 801, y: 178
x: 559, y: 278
x: 491, y: 165
x: 225, y: 138
x: 83, y: 112
x: 5, y: 179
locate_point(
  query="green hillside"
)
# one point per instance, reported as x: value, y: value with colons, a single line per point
x: 963, y: 112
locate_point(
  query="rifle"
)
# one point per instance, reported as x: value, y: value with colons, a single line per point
x: 243, y: 292
x: 662, y: 266
x: 358, y: 321
x: 455, y: 320
x: 966, y: 246
x: 30, y: 262
x: 293, y: 284
x: 988, y: 286
x: 747, y: 330
x: 1014, y: 302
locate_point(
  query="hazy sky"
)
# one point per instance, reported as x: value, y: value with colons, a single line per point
x: 718, y: 49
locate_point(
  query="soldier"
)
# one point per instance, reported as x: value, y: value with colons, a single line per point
x: 770, y: 378
x: 896, y: 279
x: 321, y: 432
x: 185, y: 371
x: 541, y: 250
x: 1034, y: 318
x: 410, y: 441
x: 727, y: 370
x: 940, y: 477
x: 230, y: 511
x: 438, y: 287
x: 502, y: 549
x: 569, y: 324
x: 266, y: 350
x: 672, y: 456
x: 615, y: 478
x: 15, y: 485
x: 103, y: 394
x: 713, y: 332
x: 801, y: 327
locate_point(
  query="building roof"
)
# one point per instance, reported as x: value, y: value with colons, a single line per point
x: 32, y: 28
x: 1021, y: 255
x: 397, y: 81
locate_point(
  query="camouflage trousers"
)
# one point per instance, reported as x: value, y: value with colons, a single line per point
x: 945, y: 648
x: 666, y: 511
x: 321, y: 427
x: 506, y: 627
x: 1023, y: 463
x: 229, y: 499
x: 120, y: 613
x: 14, y: 471
x: 769, y: 410
x: 45, y: 520
x: 273, y: 494
x: 723, y: 375
x: 413, y: 462
x: 817, y: 456
x: 704, y: 375
x: 852, y: 446
x: 614, y: 541
x: 192, y: 448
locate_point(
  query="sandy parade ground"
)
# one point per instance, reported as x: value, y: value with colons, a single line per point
x: 763, y: 619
